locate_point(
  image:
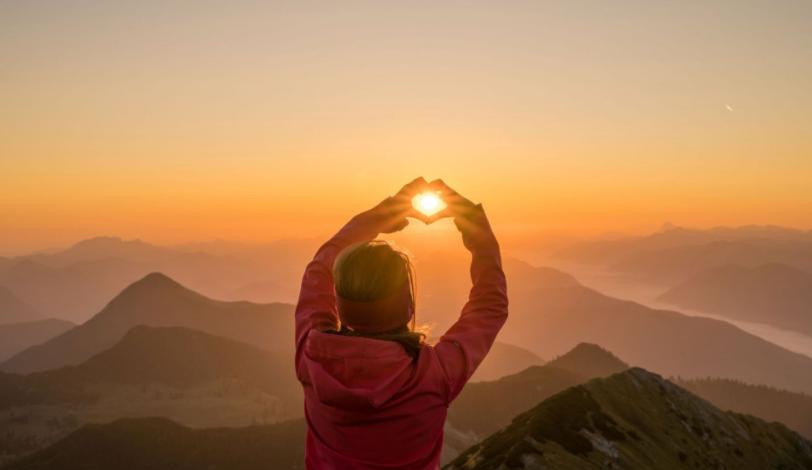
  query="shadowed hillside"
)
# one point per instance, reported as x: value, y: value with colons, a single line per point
x: 636, y: 420
x: 157, y: 300
x: 160, y: 444
x: 774, y: 294
x: 188, y: 376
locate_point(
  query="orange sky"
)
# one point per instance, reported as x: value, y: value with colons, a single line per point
x: 252, y: 121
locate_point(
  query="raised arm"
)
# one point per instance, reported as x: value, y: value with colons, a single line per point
x: 316, y: 307
x: 463, y: 347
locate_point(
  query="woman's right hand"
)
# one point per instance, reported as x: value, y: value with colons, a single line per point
x: 469, y: 218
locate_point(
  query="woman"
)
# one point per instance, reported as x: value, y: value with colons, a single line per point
x: 376, y: 395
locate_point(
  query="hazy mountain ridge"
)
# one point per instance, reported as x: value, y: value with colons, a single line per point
x: 15, y: 337
x: 551, y: 320
x: 775, y: 294
x: 608, y: 252
x: 157, y: 300
x: 80, y: 279
x: 504, y: 359
x: 14, y: 310
x: 680, y: 263
x: 768, y: 403
x: 663, y: 426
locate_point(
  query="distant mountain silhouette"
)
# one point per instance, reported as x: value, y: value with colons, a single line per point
x: 636, y: 420
x: 484, y: 407
x: 160, y: 444
x: 15, y: 337
x: 14, y: 310
x: 548, y: 321
x: 589, y: 360
x: 767, y: 403
x: 775, y: 294
x: 73, y: 291
x: 680, y: 263
x: 157, y: 300
x: 610, y: 251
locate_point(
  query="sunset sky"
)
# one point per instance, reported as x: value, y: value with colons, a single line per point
x: 177, y: 121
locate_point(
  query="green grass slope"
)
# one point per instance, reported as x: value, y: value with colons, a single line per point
x: 636, y: 420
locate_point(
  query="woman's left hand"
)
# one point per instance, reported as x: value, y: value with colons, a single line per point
x: 390, y: 215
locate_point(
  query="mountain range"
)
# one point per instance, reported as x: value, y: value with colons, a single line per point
x: 75, y: 282
x: 633, y: 419
x: 546, y: 320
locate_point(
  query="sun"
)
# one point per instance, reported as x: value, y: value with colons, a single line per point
x: 428, y: 203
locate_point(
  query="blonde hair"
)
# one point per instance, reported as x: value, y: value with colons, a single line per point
x: 371, y: 271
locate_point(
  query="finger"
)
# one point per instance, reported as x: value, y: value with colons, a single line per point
x: 416, y: 214
x: 440, y: 185
x: 449, y: 195
x: 412, y: 187
x: 442, y: 214
x: 400, y: 225
x: 392, y: 205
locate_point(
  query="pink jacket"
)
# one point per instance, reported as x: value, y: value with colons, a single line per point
x: 368, y: 405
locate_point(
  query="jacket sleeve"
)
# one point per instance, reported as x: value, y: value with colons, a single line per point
x: 316, y: 307
x: 463, y: 347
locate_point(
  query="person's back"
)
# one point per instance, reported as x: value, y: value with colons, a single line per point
x: 376, y: 396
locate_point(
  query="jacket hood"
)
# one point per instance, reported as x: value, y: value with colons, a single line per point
x: 353, y: 372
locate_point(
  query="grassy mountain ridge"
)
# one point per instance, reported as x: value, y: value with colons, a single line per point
x: 484, y: 407
x: 635, y: 420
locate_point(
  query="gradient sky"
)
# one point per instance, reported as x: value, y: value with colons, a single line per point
x: 174, y: 121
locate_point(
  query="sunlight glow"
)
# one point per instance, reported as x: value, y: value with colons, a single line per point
x: 428, y: 203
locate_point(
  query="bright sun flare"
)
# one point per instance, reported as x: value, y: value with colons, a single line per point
x: 428, y: 203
